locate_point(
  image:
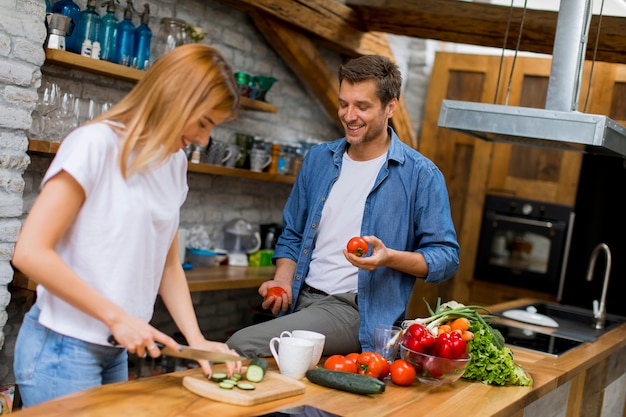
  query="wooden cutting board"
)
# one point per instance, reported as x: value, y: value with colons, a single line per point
x: 273, y: 387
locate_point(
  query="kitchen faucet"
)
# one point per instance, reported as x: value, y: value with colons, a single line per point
x: 599, y: 310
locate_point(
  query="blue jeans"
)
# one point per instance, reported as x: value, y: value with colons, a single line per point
x: 49, y: 365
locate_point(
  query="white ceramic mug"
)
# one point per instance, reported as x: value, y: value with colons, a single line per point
x: 259, y: 159
x: 292, y: 355
x: 318, y: 340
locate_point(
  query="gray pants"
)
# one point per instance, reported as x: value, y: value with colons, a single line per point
x: 336, y: 316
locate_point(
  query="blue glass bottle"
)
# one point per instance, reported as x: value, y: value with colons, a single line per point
x: 88, y: 25
x: 125, y: 37
x: 143, y: 38
x: 70, y: 9
x: 107, y: 35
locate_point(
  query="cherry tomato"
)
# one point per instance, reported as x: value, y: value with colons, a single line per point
x: 358, y: 246
x: 402, y: 373
x: 276, y: 292
x: 340, y: 363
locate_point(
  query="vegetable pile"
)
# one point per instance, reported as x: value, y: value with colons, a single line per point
x: 456, y: 324
x: 369, y: 364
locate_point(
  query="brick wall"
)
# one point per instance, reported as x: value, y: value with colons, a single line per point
x: 212, y: 200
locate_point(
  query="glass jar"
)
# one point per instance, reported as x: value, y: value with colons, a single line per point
x: 172, y: 33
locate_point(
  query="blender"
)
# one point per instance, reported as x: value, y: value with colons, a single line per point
x: 240, y: 239
x: 58, y: 25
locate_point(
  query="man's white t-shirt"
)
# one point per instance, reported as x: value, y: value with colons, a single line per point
x: 341, y: 220
x: 120, y: 237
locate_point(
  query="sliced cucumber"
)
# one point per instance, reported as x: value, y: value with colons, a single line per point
x: 236, y: 377
x: 245, y: 385
x: 219, y: 377
x: 256, y: 370
x: 230, y: 381
x: 226, y: 385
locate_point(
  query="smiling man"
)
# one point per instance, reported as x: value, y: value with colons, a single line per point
x: 369, y: 184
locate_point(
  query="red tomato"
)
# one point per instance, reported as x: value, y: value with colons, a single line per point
x: 354, y: 356
x: 371, y: 364
x: 402, y: 373
x: 276, y: 292
x: 358, y: 246
x: 340, y: 363
x: 385, y: 371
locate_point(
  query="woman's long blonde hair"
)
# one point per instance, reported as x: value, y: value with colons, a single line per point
x: 181, y: 86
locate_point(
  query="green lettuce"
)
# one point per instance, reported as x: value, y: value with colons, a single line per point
x: 492, y: 363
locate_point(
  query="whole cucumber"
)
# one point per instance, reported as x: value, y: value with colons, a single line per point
x: 346, y: 381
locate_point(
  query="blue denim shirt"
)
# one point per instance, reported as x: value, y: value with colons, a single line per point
x: 408, y: 209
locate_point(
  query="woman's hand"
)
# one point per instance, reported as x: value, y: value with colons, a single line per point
x: 139, y: 337
x: 233, y: 367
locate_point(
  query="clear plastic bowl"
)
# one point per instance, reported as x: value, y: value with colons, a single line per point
x: 434, y: 370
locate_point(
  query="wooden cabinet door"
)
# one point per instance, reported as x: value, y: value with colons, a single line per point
x: 463, y: 159
x: 474, y: 167
x: 531, y: 172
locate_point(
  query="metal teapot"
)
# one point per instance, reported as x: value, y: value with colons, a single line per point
x: 58, y: 26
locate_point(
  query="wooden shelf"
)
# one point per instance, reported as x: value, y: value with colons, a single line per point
x: 240, y: 173
x: 50, y: 148
x: 101, y: 67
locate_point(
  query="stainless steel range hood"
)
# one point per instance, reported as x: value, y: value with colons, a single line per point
x: 559, y: 125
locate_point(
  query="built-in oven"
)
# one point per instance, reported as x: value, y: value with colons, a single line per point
x: 524, y: 243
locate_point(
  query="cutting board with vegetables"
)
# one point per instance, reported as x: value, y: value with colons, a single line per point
x: 273, y: 387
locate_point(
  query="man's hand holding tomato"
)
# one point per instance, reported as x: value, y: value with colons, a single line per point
x: 369, y: 263
x: 275, y: 296
x: 412, y: 263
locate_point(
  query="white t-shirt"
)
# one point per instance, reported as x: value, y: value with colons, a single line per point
x: 119, y: 239
x: 329, y: 271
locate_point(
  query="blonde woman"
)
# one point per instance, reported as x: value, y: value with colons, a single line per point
x: 101, y: 239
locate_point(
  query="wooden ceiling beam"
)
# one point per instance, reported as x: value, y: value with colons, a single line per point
x: 485, y: 24
x: 303, y: 57
x: 328, y: 20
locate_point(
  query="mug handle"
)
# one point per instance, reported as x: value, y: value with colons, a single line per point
x: 227, y: 155
x: 273, y: 343
x: 285, y: 333
x: 269, y: 161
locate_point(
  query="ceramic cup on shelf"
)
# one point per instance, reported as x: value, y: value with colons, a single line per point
x: 259, y: 159
x: 217, y: 153
x: 234, y: 157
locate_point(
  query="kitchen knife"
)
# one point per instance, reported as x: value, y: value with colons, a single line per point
x: 187, y: 352
x: 197, y: 354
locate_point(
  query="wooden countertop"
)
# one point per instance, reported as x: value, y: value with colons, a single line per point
x: 207, y: 278
x: 165, y: 395
x: 224, y: 277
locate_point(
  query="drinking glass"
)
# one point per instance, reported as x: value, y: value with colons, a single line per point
x: 63, y: 118
x: 48, y: 103
x: 386, y: 341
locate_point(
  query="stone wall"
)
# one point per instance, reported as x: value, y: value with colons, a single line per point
x: 212, y: 200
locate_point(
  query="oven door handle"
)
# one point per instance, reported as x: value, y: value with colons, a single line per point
x: 528, y: 222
